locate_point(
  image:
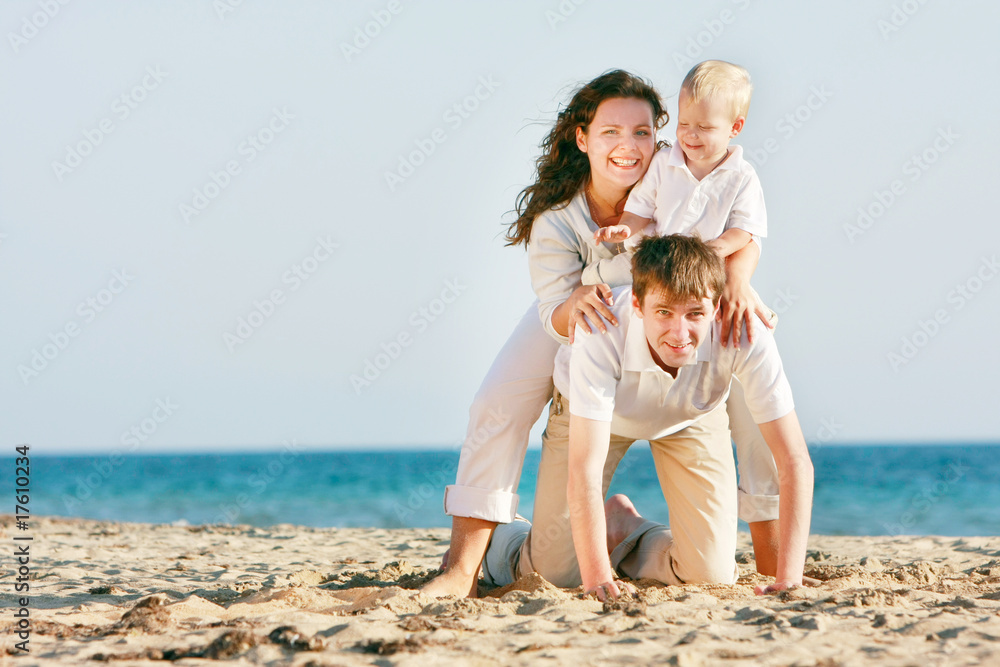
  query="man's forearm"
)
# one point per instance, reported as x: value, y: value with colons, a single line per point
x: 586, y: 515
x: 588, y: 450
x: 795, y: 479
x: 794, y: 513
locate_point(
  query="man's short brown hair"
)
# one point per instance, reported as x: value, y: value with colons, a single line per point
x: 683, y: 267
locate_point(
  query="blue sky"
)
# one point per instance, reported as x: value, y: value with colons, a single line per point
x: 213, y: 215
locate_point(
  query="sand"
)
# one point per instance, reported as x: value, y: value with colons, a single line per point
x: 142, y: 594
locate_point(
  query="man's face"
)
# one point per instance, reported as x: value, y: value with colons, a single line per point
x: 674, y: 329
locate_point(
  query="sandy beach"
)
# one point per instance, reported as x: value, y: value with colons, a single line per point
x: 140, y: 594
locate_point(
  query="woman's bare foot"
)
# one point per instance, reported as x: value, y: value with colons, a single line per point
x: 622, y: 519
x: 452, y: 582
x: 469, y: 539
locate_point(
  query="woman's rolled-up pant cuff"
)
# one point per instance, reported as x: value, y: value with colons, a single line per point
x: 757, y: 507
x: 475, y: 503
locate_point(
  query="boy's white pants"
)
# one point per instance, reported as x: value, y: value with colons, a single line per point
x: 509, y: 402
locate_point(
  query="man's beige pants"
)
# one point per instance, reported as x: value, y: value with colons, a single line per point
x: 698, y: 479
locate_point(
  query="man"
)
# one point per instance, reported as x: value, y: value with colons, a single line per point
x: 663, y: 375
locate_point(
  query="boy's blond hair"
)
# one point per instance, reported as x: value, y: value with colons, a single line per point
x: 724, y: 81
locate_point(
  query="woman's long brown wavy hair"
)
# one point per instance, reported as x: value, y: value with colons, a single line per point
x: 562, y: 168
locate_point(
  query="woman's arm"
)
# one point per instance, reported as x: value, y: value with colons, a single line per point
x: 556, y: 255
x: 586, y: 302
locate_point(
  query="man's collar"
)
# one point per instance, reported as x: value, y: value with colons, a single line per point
x: 637, y: 356
x: 704, y: 351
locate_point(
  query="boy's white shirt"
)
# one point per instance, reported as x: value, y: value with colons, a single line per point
x: 730, y: 197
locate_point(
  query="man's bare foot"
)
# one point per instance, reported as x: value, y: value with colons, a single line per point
x: 622, y: 519
x: 452, y: 582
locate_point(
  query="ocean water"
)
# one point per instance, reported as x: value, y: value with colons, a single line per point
x: 859, y: 490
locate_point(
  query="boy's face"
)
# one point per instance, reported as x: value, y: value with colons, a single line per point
x: 704, y: 129
x: 674, y: 329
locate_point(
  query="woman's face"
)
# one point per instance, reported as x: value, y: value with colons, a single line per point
x: 619, y: 143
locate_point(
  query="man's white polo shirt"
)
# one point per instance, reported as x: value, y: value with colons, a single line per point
x: 728, y: 197
x: 612, y: 377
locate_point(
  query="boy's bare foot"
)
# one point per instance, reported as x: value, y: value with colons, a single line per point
x: 452, y: 582
x: 622, y: 519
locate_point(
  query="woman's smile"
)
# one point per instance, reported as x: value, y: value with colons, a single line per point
x: 619, y: 143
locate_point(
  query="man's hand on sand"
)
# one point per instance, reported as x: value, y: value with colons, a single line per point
x: 611, y: 590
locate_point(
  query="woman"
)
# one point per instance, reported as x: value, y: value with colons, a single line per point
x: 600, y: 146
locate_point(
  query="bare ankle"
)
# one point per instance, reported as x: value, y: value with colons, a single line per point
x: 452, y: 582
x: 622, y: 518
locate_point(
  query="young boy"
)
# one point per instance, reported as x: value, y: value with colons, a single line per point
x: 701, y: 184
